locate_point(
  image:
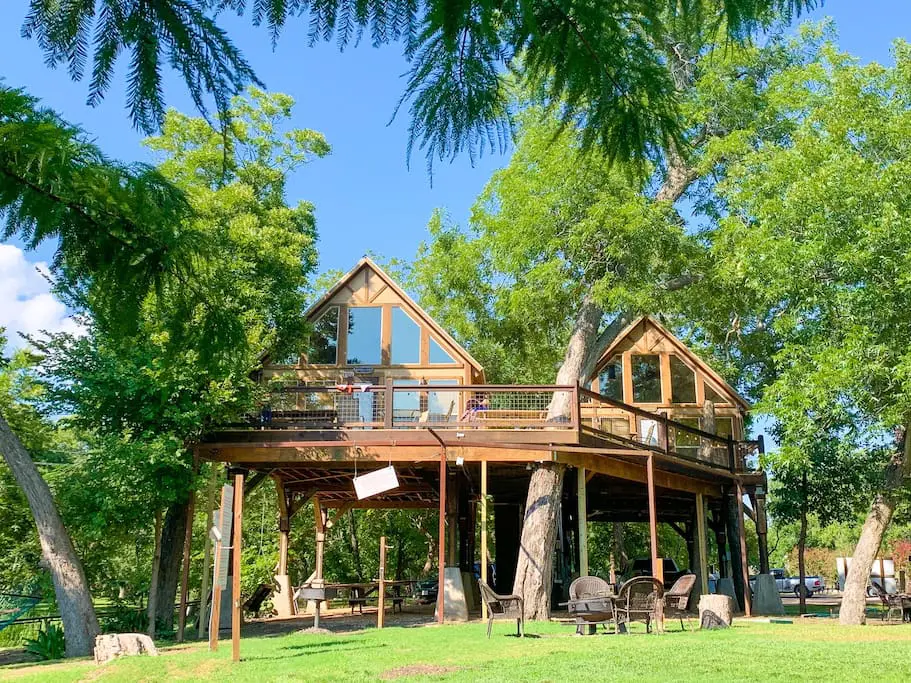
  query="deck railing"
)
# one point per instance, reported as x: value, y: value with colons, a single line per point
x: 639, y: 427
x: 449, y: 406
x: 496, y: 407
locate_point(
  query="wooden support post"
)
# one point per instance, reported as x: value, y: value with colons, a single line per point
x: 744, y: 568
x: 441, y: 574
x: 701, y: 548
x: 215, y: 612
x: 236, y: 549
x: 582, y: 502
x: 207, y: 551
x: 484, y: 531
x: 381, y: 590
x: 762, y: 531
x: 283, y: 600
x: 657, y: 564
x: 185, y: 570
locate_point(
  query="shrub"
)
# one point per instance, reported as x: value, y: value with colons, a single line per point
x: 49, y: 644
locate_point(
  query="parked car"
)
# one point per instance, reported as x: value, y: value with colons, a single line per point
x: 791, y: 584
x: 643, y: 567
x: 425, y: 592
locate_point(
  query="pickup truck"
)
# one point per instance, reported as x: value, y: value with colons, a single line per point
x: 643, y: 567
x: 791, y: 584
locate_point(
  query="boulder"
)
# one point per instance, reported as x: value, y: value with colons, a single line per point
x: 113, y: 645
x: 716, y: 611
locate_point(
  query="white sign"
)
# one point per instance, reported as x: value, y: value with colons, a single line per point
x: 225, y: 519
x: 375, y: 482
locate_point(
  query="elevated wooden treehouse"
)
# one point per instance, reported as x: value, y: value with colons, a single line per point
x: 656, y: 435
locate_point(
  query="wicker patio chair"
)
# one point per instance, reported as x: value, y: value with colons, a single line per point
x: 503, y: 607
x: 599, y: 611
x: 678, y: 597
x: 639, y: 599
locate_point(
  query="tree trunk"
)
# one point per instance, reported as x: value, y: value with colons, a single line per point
x: 355, y: 546
x: 854, y: 599
x: 534, y: 569
x: 173, y: 534
x: 802, y: 547
x: 619, y: 546
x: 577, y: 359
x: 74, y: 600
x: 152, y: 606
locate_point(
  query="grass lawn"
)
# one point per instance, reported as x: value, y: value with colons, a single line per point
x: 813, y: 649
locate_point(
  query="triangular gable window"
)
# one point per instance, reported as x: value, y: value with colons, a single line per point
x: 713, y: 396
x: 438, y: 355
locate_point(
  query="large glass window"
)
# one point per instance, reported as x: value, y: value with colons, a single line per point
x: 438, y: 354
x: 724, y: 427
x: 646, y: 372
x: 683, y: 382
x: 712, y: 395
x: 406, y: 338
x: 406, y: 405
x: 687, y: 443
x: 364, y: 345
x: 610, y: 379
x: 443, y: 406
x: 324, y: 339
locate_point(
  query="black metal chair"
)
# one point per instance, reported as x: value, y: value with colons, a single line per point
x: 503, y: 607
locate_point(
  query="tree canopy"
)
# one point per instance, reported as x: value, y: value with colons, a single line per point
x: 602, y: 66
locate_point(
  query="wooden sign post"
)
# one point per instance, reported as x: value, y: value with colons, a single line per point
x: 220, y: 571
x: 381, y: 599
x: 237, y: 546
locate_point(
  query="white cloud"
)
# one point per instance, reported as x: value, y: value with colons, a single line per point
x: 26, y: 302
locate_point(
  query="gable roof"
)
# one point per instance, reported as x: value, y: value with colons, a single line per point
x: 683, y: 349
x: 425, y: 318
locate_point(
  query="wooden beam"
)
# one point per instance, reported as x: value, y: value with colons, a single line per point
x: 381, y: 594
x: 747, y: 606
x: 236, y: 549
x: 679, y: 529
x: 284, y: 527
x: 320, y: 524
x: 207, y: 551
x: 441, y: 542
x: 253, y: 482
x: 215, y: 615
x: 483, y: 531
x: 701, y: 544
x: 657, y: 564
x: 582, y: 509
x: 341, y: 510
x: 621, y: 469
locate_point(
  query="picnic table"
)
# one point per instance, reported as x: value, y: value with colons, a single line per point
x: 359, y: 592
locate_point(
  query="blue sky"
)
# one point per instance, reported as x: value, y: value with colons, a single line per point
x: 366, y: 197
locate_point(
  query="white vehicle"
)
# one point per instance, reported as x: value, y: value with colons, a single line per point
x: 791, y: 584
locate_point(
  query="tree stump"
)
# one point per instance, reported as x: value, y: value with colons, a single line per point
x: 113, y: 645
x: 716, y: 611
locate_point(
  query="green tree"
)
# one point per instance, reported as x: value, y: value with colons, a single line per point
x: 819, y: 472
x: 601, y: 63
x: 563, y: 239
x: 199, y: 340
x: 115, y: 231
x: 812, y: 241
